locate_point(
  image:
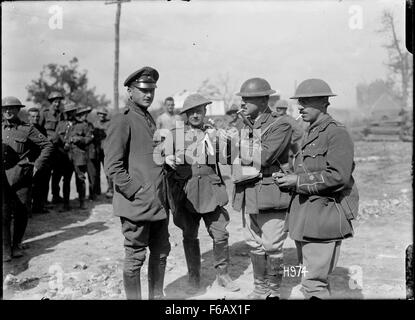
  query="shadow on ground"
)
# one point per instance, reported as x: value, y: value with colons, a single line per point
x: 45, y: 231
x: 239, y: 262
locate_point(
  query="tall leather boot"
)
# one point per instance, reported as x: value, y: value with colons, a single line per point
x: 193, y: 261
x: 274, y: 276
x: 132, y: 285
x: 221, y: 254
x: 259, y: 267
x: 156, y: 271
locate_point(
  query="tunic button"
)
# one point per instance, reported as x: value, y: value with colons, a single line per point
x: 199, y: 177
x: 198, y: 165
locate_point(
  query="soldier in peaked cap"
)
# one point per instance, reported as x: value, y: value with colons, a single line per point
x: 197, y: 191
x: 139, y: 191
x: 262, y: 203
x: 325, y: 197
x: 100, y: 133
x: 18, y: 139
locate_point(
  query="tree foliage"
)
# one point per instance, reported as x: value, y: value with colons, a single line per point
x: 368, y: 94
x: 68, y: 80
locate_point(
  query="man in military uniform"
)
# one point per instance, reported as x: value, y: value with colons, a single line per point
x: 18, y: 139
x: 281, y: 107
x: 49, y: 119
x: 198, y: 191
x: 263, y: 205
x: 325, y: 197
x: 77, y: 141
x: 235, y: 121
x: 63, y: 143
x: 139, y: 192
x: 92, y: 157
x: 41, y: 178
x: 100, y: 133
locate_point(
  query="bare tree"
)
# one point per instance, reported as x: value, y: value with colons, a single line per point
x: 399, y: 59
x: 220, y: 88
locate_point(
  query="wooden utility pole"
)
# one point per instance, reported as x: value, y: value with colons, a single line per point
x: 117, y: 49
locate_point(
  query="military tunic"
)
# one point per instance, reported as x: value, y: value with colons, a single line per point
x: 18, y: 140
x: 325, y: 201
x: 262, y: 203
x: 100, y: 133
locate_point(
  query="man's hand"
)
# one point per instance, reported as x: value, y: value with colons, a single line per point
x: 34, y: 171
x: 75, y: 139
x: 285, y: 180
x: 171, y: 161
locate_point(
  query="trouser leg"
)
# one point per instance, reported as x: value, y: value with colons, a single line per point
x: 66, y: 188
x: 80, y: 178
x: 92, y: 173
x: 97, y: 180
x: 189, y: 222
x: 6, y: 226
x: 216, y: 223
x: 319, y: 260
x: 21, y: 215
x: 265, y: 235
x: 159, y: 246
x: 58, y: 171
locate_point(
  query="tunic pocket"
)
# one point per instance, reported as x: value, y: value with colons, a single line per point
x: 20, y: 144
x: 269, y: 195
x: 219, y: 190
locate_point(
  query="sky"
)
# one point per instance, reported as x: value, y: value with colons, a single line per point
x: 284, y: 42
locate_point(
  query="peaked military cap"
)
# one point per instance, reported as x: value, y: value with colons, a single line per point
x: 11, y: 102
x: 102, y: 110
x: 233, y: 109
x: 55, y: 95
x: 33, y: 109
x: 70, y: 106
x: 193, y: 101
x: 282, y: 104
x: 145, y: 78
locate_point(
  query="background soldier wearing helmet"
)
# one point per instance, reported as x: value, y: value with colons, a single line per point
x: 65, y: 167
x: 259, y: 198
x: 235, y: 121
x: 49, y: 119
x: 41, y: 178
x: 139, y: 193
x: 77, y: 141
x: 325, y: 197
x: 198, y: 191
x: 18, y: 140
x: 281, y: 107
x: 92, y: 156
x: 100, y: 133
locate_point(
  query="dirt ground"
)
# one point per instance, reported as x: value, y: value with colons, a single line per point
x: 78, y: 254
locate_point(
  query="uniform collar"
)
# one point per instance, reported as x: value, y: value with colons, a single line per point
x: 323, y: 118
x: 137, y: 109
x: 263, y: 117
x: 11, y: 124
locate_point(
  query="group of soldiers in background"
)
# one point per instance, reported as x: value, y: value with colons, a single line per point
x: 56, y: 142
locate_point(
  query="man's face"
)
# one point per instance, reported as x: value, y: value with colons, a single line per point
x: 142, y: 97
x: 310, y: 108
x: 102, y: 117
x: 251, y: 106
x: 34, y: 117
x: 170, y: 106
x: 56, y: 105
x: 81, y: 117
x: 10, y: 113
x: 280, y: 111
x: 196, y: 115
x: 70, y: 115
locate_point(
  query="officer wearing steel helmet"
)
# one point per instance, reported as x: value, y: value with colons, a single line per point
x: 18, y: 140
x: 139, y: 193
x: 263, y: 205
x: 325, y: 197
x: 197, y: 191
